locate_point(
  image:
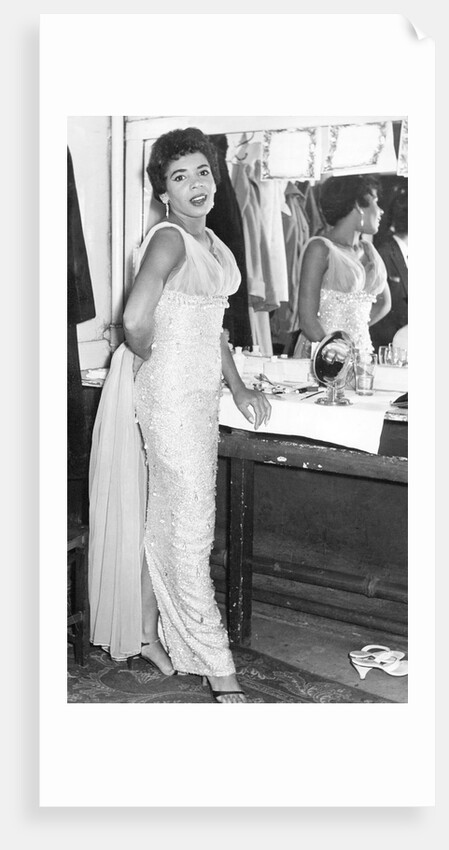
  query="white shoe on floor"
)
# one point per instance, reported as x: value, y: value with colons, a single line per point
x: 373, y: 657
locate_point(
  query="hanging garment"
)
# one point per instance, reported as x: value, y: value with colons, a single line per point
x: 176, y: 399
x: 245, y: 178
x: 261, y: 331
x: 226, y: 222
x: 348, y: 291
x: 80, y: 308
x: 260, y: 205
x: 316, y: 221
x: 272, y: 205
x: 296, y: 233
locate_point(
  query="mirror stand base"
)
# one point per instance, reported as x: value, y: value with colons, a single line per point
x: 329, y: 401
x: 334, y: 396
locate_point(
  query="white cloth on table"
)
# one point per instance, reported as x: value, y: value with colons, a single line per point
x: 358, y: 426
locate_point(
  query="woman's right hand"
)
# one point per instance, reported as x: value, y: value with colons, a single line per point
x: 253, y: 404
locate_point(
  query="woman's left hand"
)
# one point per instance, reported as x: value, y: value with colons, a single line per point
x: 254, y: 405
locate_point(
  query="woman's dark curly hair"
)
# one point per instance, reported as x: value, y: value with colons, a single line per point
x: 339, y: 195
x: 171, y: 146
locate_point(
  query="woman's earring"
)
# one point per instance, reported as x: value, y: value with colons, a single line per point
x: 362, y: 220
x: 167, y: 209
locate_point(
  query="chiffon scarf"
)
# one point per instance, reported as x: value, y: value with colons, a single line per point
x: 117, y: 505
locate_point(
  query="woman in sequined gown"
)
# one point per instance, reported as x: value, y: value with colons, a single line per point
x: 343, y: 282
x: 173, y: 324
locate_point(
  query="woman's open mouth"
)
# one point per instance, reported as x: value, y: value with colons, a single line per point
x: 198, y: 200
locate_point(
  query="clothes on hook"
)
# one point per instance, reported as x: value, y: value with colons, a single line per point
x: 278, y: 217
x: 315, y: 218
x: 246, y: 181
x: 296, y: 233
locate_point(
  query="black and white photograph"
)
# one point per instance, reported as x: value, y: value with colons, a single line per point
x: 228, y: 464
x: 237, y: 409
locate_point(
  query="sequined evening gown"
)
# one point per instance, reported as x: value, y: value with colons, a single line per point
x: 177, y: 393
x: 348, y: 292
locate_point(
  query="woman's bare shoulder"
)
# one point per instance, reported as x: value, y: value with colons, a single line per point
x: 169, y: 235
x: 319, y: 243
x: 317, y: 249
x: 165, y: 245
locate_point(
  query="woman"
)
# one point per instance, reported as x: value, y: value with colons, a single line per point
x: 172, y: 322
x: 342, y: 277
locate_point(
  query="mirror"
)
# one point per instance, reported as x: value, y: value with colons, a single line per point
x: 332, y: 360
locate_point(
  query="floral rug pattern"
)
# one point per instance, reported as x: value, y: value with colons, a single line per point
x: 263, y: 679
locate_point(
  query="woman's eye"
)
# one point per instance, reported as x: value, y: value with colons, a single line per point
x: 204, y: 172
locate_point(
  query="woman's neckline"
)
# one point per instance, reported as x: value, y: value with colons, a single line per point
x: 347, y: 247
x: 212, y: 249
x: 354, y: 251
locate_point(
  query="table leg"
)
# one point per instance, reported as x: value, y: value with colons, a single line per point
x: 240, y: 550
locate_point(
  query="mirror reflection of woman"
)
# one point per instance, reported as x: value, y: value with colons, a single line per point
x: 173, y: 326
x: 343, y: 284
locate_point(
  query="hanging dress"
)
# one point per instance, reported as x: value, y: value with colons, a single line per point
x: 348, y: 291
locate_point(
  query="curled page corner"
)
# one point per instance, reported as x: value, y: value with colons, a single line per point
x: 415, y: 31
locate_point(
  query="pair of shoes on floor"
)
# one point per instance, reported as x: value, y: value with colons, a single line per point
x: 373, y: 657
x: 165, y: 671
x: 218, y: 695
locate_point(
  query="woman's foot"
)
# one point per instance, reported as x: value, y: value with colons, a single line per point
x: 153, y: 652
x: 226, y: 689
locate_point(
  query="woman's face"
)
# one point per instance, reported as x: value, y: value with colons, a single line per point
x: 372, y: 214
x: 190, y: 186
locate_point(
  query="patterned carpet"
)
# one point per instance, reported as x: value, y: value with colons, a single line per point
x: 264, y: 680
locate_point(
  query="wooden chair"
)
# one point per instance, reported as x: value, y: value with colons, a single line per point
x: 77, y: 601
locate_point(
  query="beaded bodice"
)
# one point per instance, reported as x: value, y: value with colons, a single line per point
x: 350, y: 287
x: 347, y: 311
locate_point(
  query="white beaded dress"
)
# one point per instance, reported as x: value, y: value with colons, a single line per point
x: 349, y: 289
x: 177, y: 392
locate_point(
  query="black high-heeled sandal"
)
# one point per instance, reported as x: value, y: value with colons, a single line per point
x: 130, y: 660
x: 217, y: 694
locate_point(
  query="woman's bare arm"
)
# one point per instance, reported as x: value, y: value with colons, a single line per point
x: 165, y: 252
x: 253, y: 404
x: 313, y: 268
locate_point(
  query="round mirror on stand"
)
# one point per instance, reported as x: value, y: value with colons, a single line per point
x: 331, y: 363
